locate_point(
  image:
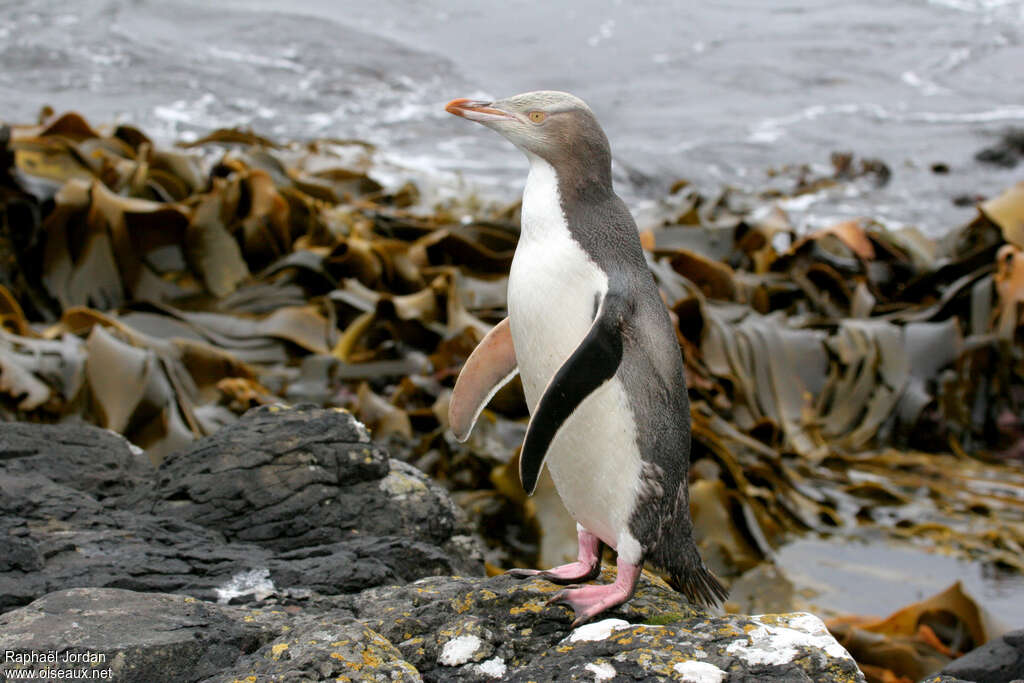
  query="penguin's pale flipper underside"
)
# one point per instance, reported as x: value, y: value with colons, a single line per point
x: 594, y: 362
x: 490, y: 367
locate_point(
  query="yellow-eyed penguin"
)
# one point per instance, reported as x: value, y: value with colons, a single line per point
x: 598, y: 358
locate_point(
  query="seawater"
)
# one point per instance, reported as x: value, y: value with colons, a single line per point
x: 717, y: 93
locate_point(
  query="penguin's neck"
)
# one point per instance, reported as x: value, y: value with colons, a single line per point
x: 543, y: 216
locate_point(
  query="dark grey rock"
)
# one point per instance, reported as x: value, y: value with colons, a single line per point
x: 141, y: 637
x: 81, y: 457
x: 88, y: 530
x: 60, y: 538
x: 295, y: 514
x: 1007, y: 152
x: 436, y: 629
x: 294, y: 478
x: 998, y: 661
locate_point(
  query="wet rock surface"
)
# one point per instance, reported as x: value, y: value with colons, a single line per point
x: 998, y: 661
x: 435, y: 629
x: 105, y: 517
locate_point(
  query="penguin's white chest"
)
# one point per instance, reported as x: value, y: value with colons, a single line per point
x: 553, y: 290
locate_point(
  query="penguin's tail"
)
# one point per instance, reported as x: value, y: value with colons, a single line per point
x: 699, y: 585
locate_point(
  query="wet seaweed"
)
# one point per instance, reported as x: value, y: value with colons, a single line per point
x: 849, y: 377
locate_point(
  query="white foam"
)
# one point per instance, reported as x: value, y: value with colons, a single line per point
x: 259, y: 60
x: 775, y: 645
x: 255, y: 582
x: 1004, y: 113
x: 604, y: 32
x: 926, y: 86
x: 699, y: 672
x: 459, y: 650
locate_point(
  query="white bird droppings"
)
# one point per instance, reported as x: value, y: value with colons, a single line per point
x: 599, y: 630
x: 459, y: 650
x: 495, y: 667
x: 255, y: 582
x: 778, y: 644
x: 602, y: 672
x: 699, y: 672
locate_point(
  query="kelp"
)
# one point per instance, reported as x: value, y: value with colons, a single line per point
x: 845, y: 378
x: 916, y: 640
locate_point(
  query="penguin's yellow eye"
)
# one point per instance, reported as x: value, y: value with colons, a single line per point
x: 537, y: 116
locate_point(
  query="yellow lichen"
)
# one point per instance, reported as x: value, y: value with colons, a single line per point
x: 463, y: 605
x: 277, y: 650
x: 527, y: 607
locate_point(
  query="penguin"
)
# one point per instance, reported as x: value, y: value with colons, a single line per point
x: 600, y: 365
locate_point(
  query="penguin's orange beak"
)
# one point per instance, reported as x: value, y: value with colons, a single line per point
x: 475, y: 110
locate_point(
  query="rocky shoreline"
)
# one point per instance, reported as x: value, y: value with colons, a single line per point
x: 288, y: 547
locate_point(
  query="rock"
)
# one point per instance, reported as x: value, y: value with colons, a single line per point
x: 91, y: 521
x: 471, y: 629
x: 138, y: 636
x: 296, y: 514
x: 295, y: 478
x: 436, y: 629
x: 1000, y: 660
x: 323, y: 648
x: 56, y: 537
x: 763, y: 589
x: 84, y: 458
x: 356, y: 564
x: 1005, y: 153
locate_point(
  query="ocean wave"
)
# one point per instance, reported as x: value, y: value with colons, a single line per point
x: 772, y: 129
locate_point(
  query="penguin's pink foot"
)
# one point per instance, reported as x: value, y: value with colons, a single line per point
x: 585, y: 568
x: 589, y: 601
x: 565, y: 574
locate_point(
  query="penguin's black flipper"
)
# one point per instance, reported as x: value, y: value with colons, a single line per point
x: 594, y: 362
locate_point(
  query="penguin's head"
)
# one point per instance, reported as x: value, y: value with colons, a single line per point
x: 555, y: 126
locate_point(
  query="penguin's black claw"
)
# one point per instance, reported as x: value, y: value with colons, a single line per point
x: 564, y: 596
x: 557, y: 598
x: 523, y: 573
x: 567, y: 574
x: 580, y: 621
